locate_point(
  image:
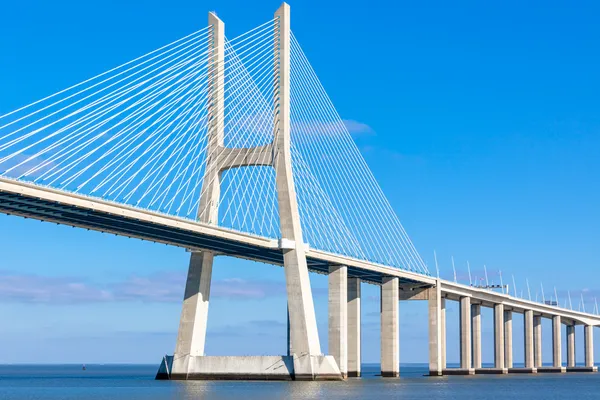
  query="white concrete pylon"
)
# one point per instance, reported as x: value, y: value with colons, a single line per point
x: 528, y: 338
x: 338, y: 316
x: 588, y: 331
x: 571, y: 346
x: 499, y: 345
x: 191, y: 336
x: 465, y: 332
x: 303, y: 324
x: 508, y: 339
x: 556, y: 341
x: 436, y: 330
x: 537, y: 340
x: 354, y: 329
x: 390, y: 338
x: 476, y: 335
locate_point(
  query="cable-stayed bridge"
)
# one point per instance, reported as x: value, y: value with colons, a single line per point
x: 231, y: 146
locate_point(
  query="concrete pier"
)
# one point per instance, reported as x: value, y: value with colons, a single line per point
x: 556, y: 342
x: 588, y: 331
x: 354, y: 321
x: 465, y: 333
x: 436, y: 330
x: 537, y: 341
x: 390, y: 337
x: 508, y: 339
x: 476, y: 335
x: 528, y: 339
x: 499, y: 336
x: 338, y: 316
x: 443, y: 330
x: 571, y: 346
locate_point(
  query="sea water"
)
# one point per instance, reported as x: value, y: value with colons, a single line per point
x: 132, y: 382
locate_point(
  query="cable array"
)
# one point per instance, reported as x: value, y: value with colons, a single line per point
x: 139, y: 135
x: 343, y: 207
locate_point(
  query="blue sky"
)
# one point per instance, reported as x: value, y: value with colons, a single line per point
x: 479, y: 120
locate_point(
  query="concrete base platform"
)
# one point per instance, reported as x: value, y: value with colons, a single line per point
x: 582, y: 369
x: 522, y: 370
x: 557, y: 370
x: 491, y: 371
x: 457, y: 371
x: 284, y: 368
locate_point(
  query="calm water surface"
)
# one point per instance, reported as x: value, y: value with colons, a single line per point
x: 116, y: 382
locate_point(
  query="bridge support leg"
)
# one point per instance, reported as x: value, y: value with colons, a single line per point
x: 571, y: 346
x: 528, y: 336
x: 338, y: 316
x: 499, y: 336
x: 390, y: 338
x: 436, y: 342
x: 476, y: 335
x: 556, y: 342
x: 589, y: 346
x: 443, y: 331
x: 508, y: 339
x: 194, y: 314
x: 354, y: 307
x: 537, y: 340
x: 465, y: 333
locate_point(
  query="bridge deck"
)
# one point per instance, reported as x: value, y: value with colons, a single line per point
x: 46, y: 204
x: 51, y: 205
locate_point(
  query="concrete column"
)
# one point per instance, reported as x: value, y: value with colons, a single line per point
x: 476, y: 334
x: 338, y: 316
x: 435, y: 330
x: 443, y: 329
x: 354, y: 351
x: 290, y: 351
x: 194, y: 314
x: 508, y: 339
x: 571, y: 346
x: 191, y: 336
x: 528, y: 335
x: 465, y: 332
x: 390, y: 338
x: 556, y: 341
x: 589, y: 345
x: 499, y: 336
x: 304, y: 335
x: 537, y: 340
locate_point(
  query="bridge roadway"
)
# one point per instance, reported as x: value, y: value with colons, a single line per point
x: 52, y: 205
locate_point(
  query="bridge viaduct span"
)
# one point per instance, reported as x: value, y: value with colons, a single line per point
x: 22, y: 194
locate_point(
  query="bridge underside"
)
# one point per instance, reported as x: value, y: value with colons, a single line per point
x: 66, y: 214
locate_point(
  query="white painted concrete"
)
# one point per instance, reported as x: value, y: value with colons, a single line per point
x: 476, y: 335
x: 465, y: 332
x: 390, y: 336
x: 588, y: 331
x: 499, y: 346
x: 436, y: 343
x: 508, y: 339
x: 556, y: 341
x: 338, y: 316
x: 571, y: 360
x: 354, y: 328
x: 528, y: 336
x: 537, y: 341
x: 443, y: 333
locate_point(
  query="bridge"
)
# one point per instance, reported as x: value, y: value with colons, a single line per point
x: 231, y: 147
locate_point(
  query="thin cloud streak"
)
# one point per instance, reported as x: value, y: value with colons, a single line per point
x: 162, y: 287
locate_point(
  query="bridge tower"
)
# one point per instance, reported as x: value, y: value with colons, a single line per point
x: 305, y: 360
